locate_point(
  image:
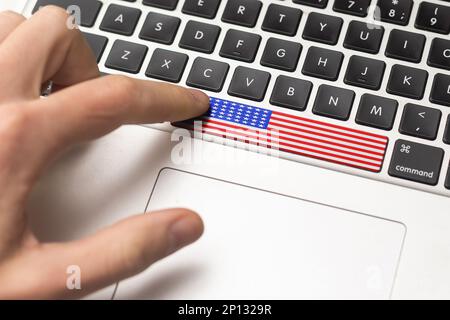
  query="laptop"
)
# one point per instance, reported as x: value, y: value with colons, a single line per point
x: 321, y: 169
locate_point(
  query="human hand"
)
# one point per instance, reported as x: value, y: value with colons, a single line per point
x: 35, y: 130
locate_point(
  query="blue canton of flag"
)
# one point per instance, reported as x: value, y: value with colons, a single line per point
x: 239, y: 113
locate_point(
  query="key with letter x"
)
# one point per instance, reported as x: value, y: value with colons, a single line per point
x: 167, y: 65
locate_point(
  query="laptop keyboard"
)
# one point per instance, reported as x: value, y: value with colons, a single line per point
x: 361, y: 86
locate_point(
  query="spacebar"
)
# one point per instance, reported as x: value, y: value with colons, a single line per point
x: 88, y: 9
x: 291, y: 134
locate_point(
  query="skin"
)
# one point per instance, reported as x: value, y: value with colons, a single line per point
x: 35, y: 130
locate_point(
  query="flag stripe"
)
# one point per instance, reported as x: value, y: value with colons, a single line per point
x: 292, y: 134
x: 332, y: 159
x: 329, y: 125
x: 279, y: 137
x: 293, y: 146
x: 300, y: 125
x: 311, y: 135
x: 280, y: 126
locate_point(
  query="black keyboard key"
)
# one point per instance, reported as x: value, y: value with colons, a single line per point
x: 440, y: 54
x: 407, y: 82
x: 89, y: 9
x: 447, y: 132
x: 322, y: 28
x: 281, y: 54
x: 97, y: 44
x: 242, y: 12
x: 282, y: 20
x: 323, y: 63
x: 364, y: 37
x: 447, y: 180
x: 334, y: 102
x: 201, y: 8
x: 200, y: 36
x: 433, y: 17
x: 416, y: 162
x: 167, y: 65
x: 377, y: 112
x: 240, y: 45
x: 126, y: 56
x: 420, y: 122
x: 163, y: 4
x: 364, y: 72
x: 249, y: 83
x: 440, y: 92
x: 160, y: 28
x: 120, y: 19
x: 313, y: 3
x: 291, y: 93
x: 208, y: 74
x: 354, y: 7
x: 405, y: 45
x: 394, y: 11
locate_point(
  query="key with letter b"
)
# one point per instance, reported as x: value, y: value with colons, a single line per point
x: 291, y: 93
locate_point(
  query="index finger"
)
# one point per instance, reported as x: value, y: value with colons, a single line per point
x: 94, y: 108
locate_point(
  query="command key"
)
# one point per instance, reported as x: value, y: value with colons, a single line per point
x: 416, y: 162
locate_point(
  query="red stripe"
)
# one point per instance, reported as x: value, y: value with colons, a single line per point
x: 333, y: 161
x: 295, y: 152
x: 331, y: 143
x: 332, y: 137
x: 326, y: 130
x: 306, y: 131
x: 297, y: 147
x: 303, y: 143
x: 328, y: 124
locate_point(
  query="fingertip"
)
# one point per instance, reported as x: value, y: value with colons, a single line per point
x: 186, y: 229
x: 202, y: 100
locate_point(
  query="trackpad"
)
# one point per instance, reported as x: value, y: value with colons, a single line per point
x: 260, y: 245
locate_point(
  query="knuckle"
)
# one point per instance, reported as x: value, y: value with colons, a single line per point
x: 122, y: 89
x: 15, y: 123
x: 135, y: 258
x: 123, y: 85
x: 13, y: 129
x: 117, y: 93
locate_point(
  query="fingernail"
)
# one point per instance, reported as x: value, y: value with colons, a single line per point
x: 201, y: 97
x: 185, y: 231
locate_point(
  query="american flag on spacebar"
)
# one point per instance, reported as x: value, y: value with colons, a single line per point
x: 293, y: 134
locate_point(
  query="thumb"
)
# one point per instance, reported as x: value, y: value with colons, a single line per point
x: 111, y: 255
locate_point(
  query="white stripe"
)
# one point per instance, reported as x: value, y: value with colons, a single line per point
x: 257, y: 141
x: 361, y: 154
x: 276, y: 125
x: 324, y: 125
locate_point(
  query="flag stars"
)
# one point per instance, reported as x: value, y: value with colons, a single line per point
x: 239, y: 113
